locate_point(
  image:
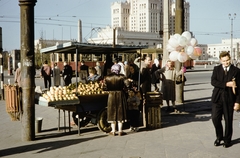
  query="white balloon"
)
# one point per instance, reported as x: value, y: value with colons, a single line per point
x: 187, y: 35
x: 173, y: 42
x: 182, y: 41
x: 182, y: 57
x: 176, y: 36
x: 193, y: 42
x: 170, y: 48
x: 173, y: 56
x: 189, y: 50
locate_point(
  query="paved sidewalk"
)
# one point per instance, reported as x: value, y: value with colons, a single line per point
x: 189, y: 134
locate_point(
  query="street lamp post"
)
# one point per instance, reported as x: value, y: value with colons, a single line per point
x: 232, y: 18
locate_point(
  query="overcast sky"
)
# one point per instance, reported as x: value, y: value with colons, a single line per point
x: 58, y: 19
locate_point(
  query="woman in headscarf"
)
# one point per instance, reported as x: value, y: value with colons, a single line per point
x: 116, y: 83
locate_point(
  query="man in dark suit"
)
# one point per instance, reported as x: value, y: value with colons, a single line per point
x: 84, y: 67
x: 226, y: 94
x: 67, y: 74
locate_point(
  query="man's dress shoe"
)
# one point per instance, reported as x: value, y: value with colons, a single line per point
x: 217, y: 142
x: 226, y: 144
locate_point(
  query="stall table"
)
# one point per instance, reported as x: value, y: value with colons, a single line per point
x: 85, y: 109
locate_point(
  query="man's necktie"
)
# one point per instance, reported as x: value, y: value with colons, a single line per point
x: 225, y: 70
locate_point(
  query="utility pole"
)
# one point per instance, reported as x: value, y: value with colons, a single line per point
x: 27, y: 68
x: 165, y: 31
x: 179, y: 28
x: 232, y: 17
x: 1, y: 66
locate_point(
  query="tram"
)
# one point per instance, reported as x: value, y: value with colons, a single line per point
x: 90, y: 59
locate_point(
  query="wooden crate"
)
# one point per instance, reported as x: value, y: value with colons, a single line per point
x: 153, y: 117
x: 13, y: 103
x: 154, y: 99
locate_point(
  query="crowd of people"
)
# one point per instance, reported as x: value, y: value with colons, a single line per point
x: 129, y: 82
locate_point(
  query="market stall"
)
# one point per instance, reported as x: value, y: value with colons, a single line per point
x: 90, y: 106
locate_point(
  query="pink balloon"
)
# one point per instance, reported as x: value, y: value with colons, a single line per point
x: 197, y: 51
x: 192, y: 56
x: 179, y: 48
x: 182, y: 57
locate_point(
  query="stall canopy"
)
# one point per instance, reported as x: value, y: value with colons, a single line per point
x: 87, y: 48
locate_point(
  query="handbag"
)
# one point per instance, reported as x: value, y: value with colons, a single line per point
x: 179, y: 79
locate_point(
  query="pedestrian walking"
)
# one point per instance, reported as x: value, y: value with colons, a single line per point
x: 226, y: 94
x: 46, y: 74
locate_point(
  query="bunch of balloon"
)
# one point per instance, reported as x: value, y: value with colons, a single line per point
x: 183, y: 47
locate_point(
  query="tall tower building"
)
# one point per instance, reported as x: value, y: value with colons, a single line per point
x: 120, y: 14
x: 145, y: 15
x: 172, y: 13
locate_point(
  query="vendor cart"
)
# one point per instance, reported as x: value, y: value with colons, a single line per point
x: 89, y: 107
x: 85, y: 109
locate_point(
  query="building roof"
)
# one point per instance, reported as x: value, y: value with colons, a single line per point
x: 88, y: 48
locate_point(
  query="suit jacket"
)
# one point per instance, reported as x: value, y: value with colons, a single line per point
x: 218, y: 80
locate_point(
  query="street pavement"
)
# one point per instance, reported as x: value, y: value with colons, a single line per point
x: 188, y: 134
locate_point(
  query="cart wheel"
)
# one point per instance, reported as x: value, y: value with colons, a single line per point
x: 102, y: 123
x: 83, y: 120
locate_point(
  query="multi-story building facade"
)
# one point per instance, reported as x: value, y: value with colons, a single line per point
x: 145, y: 15
x: 43, y: 43
x: 214, y: 50
x: 139, y: 22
